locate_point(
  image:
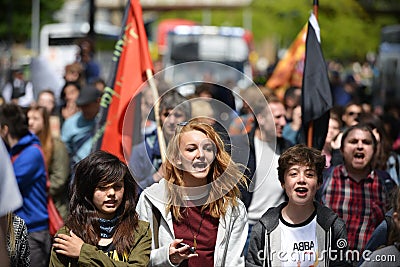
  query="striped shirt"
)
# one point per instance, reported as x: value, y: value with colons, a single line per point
x: 361, y: 205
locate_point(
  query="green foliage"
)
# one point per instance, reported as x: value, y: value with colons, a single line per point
x: 348, y: 32
x: 16, y: 16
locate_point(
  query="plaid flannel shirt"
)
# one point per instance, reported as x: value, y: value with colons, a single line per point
x: 362, y: 205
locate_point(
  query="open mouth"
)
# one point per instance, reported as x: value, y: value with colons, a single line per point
x: 301, y: 191
x: 200, y: 166
x: 110, y: 203
x: 359, y: 156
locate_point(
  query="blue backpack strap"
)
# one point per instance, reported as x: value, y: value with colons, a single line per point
x: 387, y: 181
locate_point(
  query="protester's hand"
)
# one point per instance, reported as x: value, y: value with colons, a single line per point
x: 178, y: 254
x: 68, y: 245
x: 296, y: 119
x: 70, y: 109
x: 335, y: 143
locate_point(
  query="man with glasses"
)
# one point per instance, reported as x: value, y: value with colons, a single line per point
x: 145, y: 160
x: 351, y: 113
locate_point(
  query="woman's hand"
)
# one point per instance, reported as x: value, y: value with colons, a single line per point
x: 68, y: 245
x: 177, y: 255
x: 296, y: 119
x: 70, y: 109
x: 335, y: 143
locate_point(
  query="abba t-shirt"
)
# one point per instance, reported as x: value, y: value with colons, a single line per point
x: 298, y: 243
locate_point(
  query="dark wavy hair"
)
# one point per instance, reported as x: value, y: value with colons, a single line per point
x: 394, y: 231
x: 360, y: 126
x: 14, y: 117
x: 62, y: 94
x: 98, y: 169
x: 303, y: 156
x: 384, y: 146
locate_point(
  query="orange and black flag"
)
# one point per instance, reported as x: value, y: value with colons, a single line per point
x: 131, y: 59
x: 289, y: 70
x: 316, y: 93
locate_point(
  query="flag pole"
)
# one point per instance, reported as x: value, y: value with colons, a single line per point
x: 315, y: 8
x: 310, y: 132
x: 160, y: 134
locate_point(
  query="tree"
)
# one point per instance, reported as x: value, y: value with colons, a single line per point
x: 15, y: 18
x: 348, y: 31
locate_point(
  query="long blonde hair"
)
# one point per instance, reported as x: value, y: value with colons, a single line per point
x: 224, y: 175
x: 45, y: 135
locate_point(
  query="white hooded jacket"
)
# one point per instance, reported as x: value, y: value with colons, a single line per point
x: 231, y: 235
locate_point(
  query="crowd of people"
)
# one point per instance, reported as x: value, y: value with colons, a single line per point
x: 236, y: 186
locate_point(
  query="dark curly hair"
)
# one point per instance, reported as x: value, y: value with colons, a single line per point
x: 394, y: 232
x: 304, y: 156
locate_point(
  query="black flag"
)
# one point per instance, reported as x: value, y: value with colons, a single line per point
x: 316, y: 92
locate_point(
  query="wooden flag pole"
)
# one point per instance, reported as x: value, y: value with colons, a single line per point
x: 315, y: 8
x: 160, y: 134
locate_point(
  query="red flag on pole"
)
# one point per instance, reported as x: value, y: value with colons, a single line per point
x: 316, y: 92
x: 131, y: 61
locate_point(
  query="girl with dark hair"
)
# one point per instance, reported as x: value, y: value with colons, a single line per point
x: 385, y: 158
x: 196, y: 215
x: 69, y: 94
x: 103, y: 227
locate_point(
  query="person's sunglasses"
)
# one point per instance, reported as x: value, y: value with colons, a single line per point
x: 351, y: 113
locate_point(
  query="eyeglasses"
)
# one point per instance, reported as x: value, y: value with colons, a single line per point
x: 183, y: 123
x: 351, y: 113
x: 179, y: 126
x: 173, y: 114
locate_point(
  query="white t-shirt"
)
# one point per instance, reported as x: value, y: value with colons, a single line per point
x: 267, y: 190
x: 299, y: 242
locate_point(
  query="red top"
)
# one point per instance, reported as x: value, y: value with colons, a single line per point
x: 186, y: 229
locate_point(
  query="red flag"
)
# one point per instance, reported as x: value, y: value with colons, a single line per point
x: 131, y: 59
x: 289, y: 70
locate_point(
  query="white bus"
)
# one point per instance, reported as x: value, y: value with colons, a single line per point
x: 227, y: 45
x: 58, y: 44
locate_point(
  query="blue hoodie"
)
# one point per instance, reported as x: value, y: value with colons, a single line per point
x: 30, y: 171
